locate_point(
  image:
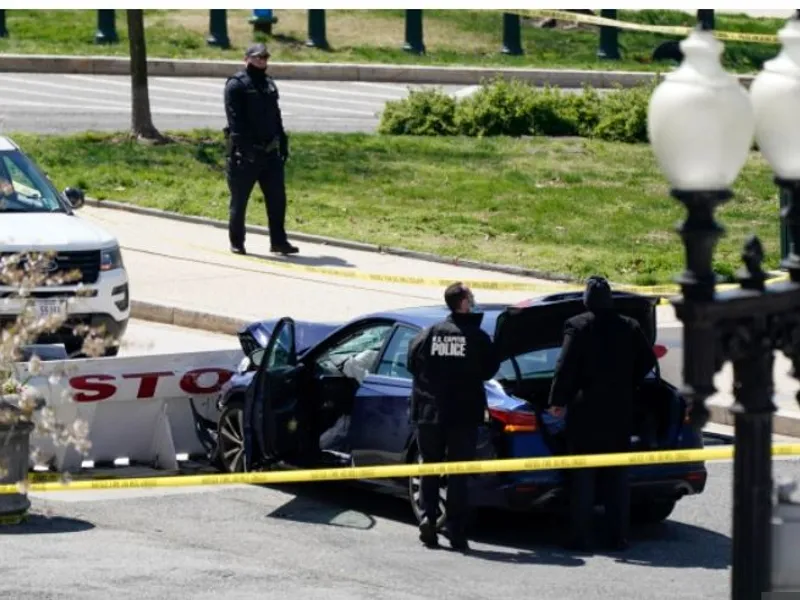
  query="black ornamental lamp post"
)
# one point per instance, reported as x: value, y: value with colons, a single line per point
x: 701, y: 124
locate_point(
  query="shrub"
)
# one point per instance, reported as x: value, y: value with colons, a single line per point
x: 499, y: 108
x: 423, y: 112
x: 515, y: 108
x: 623, y: 116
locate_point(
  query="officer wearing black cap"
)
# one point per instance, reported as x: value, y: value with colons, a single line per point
x: 258, y: 148
x: 450, y: 361
x: 604, y: 357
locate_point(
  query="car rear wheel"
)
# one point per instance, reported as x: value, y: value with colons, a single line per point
x: 230, y: 437
x: 415, y: 496
x: 654, y: 511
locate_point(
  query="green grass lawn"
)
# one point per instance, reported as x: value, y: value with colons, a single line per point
x: 451, y: 36
x: 569, y: 206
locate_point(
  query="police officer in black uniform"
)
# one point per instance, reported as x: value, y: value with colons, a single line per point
x: 450, y: 362
x: 258, y: 148
x: 604, y: 358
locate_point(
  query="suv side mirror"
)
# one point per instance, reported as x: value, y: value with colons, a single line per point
x: 74, y: 196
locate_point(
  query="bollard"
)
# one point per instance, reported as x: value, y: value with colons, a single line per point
x: 316, y: 30
x: 512, y: 34
x: 705, y: 16
x: 414, y: 39
x: 785, y: 576
x: 3, y: 30
x: 262, y: 20
x: 218, y: 29
x: 106, y: 27
x: 609, y: 37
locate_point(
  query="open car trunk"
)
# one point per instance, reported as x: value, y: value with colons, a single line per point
x: 537, y: 327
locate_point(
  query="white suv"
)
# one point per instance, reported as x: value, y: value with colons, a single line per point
x: 35, y: 217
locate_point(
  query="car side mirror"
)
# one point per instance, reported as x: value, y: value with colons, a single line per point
x: 75, y: 197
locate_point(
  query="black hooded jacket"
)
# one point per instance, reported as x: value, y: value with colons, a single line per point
x: 253, y: 112
x: 450, y: 362
x: 604, y: 358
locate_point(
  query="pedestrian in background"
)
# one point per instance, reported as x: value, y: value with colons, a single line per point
x: 604, y: 358
x: 257, y: 149
x: 449, y: 362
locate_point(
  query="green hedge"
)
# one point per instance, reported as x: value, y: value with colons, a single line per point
x: 514, y: 108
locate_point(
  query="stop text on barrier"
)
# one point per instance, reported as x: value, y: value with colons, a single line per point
x: 102, y: 386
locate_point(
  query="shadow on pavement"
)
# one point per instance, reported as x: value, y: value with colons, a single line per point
x: 41, y: 524
x: 310, y: 261
x: 305, y: 509
x: 518, y: 538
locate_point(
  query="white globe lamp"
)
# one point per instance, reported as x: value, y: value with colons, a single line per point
x: 775, y: 96
x: 700, y: 121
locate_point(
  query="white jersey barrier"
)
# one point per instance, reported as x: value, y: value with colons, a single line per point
x: 137, y: 408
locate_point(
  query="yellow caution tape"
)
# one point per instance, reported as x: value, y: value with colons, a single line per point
x: 478, y: 284
x: 562, y: 15
x: 405, y: 470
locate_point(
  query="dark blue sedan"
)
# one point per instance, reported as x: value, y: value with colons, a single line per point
x: 329, y: 394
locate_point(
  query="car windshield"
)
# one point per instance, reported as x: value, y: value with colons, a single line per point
x: 23, y: 188
x: 534, y: 365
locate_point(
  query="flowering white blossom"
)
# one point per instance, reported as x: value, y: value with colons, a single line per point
x: 21, y: 402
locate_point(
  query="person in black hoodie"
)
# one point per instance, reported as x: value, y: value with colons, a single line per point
x: 604, y: 358
x: 450, y: 361
x: 257, y: 149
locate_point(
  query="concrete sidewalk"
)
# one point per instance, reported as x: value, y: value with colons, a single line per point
x: 182, y: 273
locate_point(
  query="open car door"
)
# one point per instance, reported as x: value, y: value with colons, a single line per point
x: 276, y: 401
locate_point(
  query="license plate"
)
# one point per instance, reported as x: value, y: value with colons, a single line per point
x: 51, y: 307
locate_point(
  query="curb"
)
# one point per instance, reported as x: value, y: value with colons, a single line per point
x: 783, y: 422
x: 183, y: 317
x: 161, y: 67
x: 338, y: 243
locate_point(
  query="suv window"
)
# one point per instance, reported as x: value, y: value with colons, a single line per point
x: 394, y: 362
x: 23, y: 188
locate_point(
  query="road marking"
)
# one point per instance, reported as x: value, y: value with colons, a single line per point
x: 115, y: 108
x: 328, y: 90
x: 380, y: 86
x: 283, y: 94
x: 293, y: 104
x: 126, y: 95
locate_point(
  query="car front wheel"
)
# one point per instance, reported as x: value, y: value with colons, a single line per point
x: 230, y: 437
x: 415, y: 496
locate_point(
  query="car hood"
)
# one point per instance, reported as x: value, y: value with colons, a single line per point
x: 539, y: 324
x: 50, y: 231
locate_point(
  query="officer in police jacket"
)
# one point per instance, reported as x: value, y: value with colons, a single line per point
x: 450, y: 361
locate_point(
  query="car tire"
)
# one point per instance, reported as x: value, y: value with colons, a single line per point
x: 415, y: 496
x: 654, y: 511
x: 230, y: 438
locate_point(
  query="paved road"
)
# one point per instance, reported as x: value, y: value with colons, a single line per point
x: 320, y: 541
x: 146, y: 337
x: 66, y: 103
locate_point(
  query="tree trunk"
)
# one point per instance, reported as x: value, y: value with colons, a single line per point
x: 142, y: 121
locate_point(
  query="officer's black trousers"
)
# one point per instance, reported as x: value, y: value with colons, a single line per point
x: 438, y: 443
x: 242, y: 176
x: 612, y: 482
